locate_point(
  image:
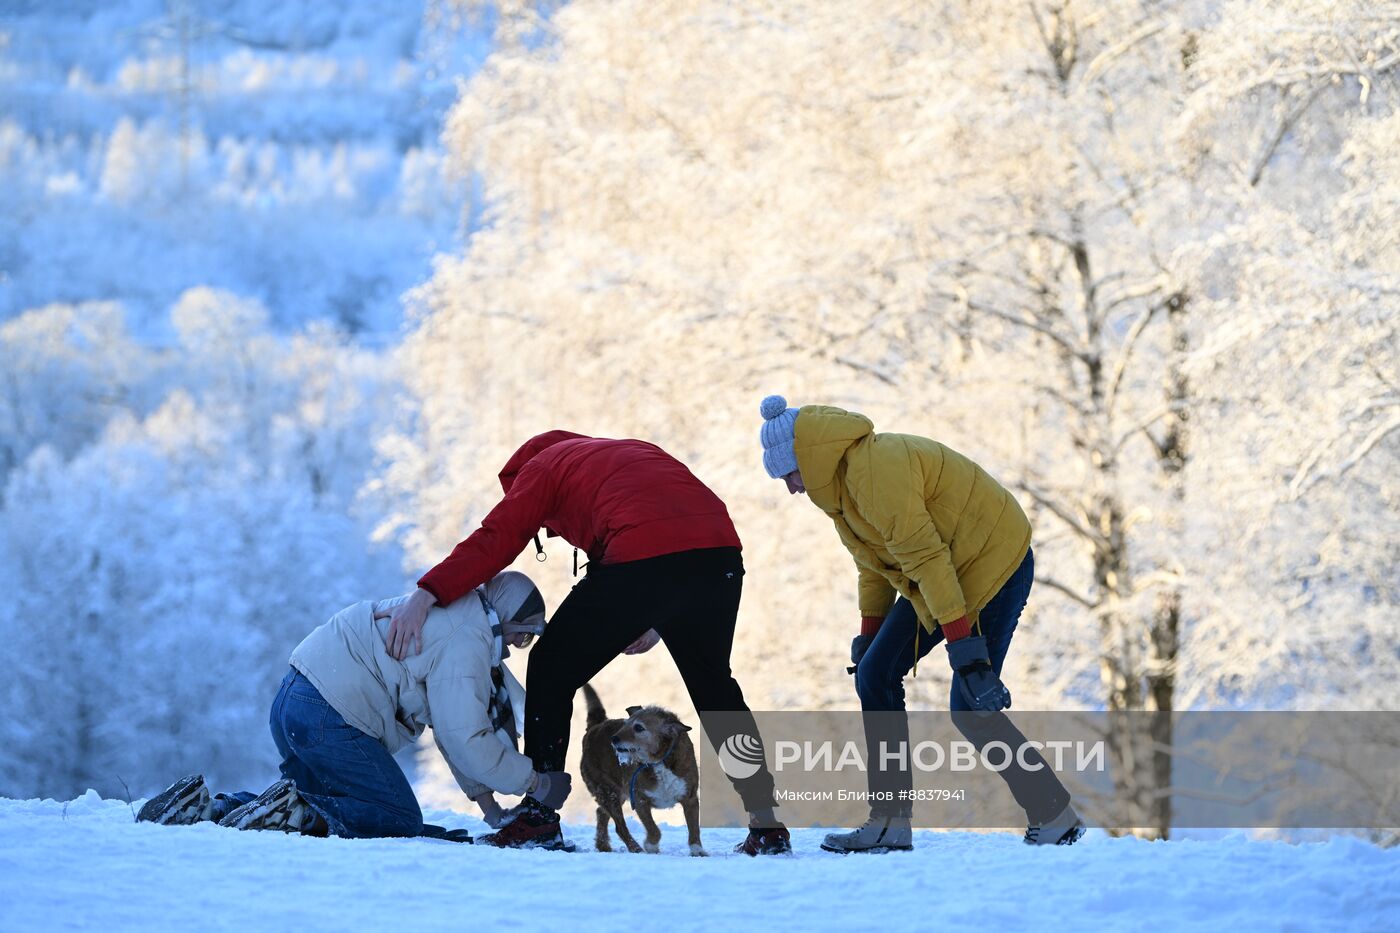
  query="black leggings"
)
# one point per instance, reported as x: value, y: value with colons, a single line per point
x: 690, y: 598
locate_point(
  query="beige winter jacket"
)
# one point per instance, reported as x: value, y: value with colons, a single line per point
x: 447, y: 686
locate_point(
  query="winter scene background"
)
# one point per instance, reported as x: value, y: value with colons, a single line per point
x: 284, y: 283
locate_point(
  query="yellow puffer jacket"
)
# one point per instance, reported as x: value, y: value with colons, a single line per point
x: 919, y: 518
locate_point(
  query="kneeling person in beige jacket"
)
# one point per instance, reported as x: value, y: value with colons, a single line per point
x: 346, y: 706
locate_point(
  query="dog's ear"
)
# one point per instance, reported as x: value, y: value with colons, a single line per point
x: 632, y: 710
x: 676, y: 727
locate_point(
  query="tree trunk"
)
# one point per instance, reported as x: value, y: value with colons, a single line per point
x: 1165, y: 642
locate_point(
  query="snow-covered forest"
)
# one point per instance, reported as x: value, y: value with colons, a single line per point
x: 210, y: 211
x: 282, y: 285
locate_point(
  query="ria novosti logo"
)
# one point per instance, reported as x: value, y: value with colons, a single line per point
x: 741, y: 756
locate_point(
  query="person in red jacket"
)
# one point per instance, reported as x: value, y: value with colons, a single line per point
x: 663, y: 565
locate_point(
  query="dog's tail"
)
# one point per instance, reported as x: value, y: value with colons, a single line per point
x: 596, y: 713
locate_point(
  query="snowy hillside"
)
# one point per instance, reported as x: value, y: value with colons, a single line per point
x: 1137, y: 259
x: 85, y: 865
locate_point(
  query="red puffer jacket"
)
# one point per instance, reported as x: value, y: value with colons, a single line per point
x: 618, y: 500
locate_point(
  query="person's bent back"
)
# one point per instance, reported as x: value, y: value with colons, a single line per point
x: 346, y: 706
x: 448, y: 686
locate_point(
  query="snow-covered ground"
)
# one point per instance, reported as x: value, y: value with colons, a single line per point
x: 85, y: 865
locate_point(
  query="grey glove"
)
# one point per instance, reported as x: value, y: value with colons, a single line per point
x: 553, y: 788
x: 859, y: 646
x: 977, y: 682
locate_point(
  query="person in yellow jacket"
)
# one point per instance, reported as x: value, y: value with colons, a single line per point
x: 943, y: 554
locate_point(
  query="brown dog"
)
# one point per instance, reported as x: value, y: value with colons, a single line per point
x: 647, y: 758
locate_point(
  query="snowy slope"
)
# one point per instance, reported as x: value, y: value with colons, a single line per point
x: 84, y: 864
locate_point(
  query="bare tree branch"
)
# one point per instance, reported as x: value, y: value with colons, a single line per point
x: 863, y: 368
x: 1133, y: 293
x: 1125, y: 355
x: 1030, y: 324
x: 1305, y: 479
x: 1105, y: 59
x: 1059, y: 587
x: 1275, y: 78
x: 1286, y: 124
x: 1146, y: 423
x: 1078, y: 526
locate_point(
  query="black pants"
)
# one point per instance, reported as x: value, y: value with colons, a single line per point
x: 690, y: 598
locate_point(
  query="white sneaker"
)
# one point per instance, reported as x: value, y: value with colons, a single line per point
x: 878, y: 834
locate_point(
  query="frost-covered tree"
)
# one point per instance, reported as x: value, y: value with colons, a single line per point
x: 158, y: 576
x: 1302, y: 390
x: 284, y: 151
x: 1020, y: 227
x: 66, y: 370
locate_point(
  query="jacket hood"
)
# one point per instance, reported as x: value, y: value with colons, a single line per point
x: 821, y: 437
x: 517, y: 601
x: 528, y: 452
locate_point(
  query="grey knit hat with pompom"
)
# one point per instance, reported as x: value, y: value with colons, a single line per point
x: 779, y: 424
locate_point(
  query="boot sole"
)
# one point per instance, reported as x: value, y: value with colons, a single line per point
x: 873, y: 850
x: 1068, y: 838
x: 550, y: 843
x: 254, y: 813
x: 557, y: 845
x: 259, y: 820
x: 168, y: 807
x: 547, y: 845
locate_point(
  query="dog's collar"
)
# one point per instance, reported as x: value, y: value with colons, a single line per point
x: 647, y: 766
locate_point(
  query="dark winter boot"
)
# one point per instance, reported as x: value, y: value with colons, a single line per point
x: 182, y: 803
x: 1063, y: 830
x: 773, y: 841
x: 277, y: 808
x: 529, y: 825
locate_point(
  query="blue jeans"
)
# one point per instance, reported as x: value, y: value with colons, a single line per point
x: 880, y: 674
x: 346, y: 776
x: 880, y: 685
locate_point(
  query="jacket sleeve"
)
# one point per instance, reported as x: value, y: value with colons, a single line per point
x: 502, y: 536
x: 875, y: 593
x: 891, y: 495
x: 472, y: 789
x: 459, y: 691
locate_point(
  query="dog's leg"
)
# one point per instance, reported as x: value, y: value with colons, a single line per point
x: 601, y: 842
x: 691, y: 807
x: 653, y: 840
x: 620, y: 824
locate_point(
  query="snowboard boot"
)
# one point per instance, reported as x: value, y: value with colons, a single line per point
x: 880, y: 833
x: 772, y: 841
x: 1064, y: 830
x: 529, y: 825
x: 185, y: 802
x: 279, y: 808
